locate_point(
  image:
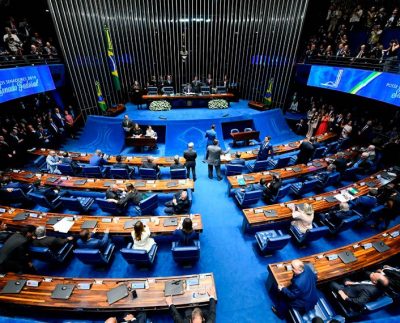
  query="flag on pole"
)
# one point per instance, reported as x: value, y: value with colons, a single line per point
x: 100, y: 100
x: 111, y: 60
x: 268, y: 93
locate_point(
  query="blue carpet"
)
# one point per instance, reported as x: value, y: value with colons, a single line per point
x: 240, y: 272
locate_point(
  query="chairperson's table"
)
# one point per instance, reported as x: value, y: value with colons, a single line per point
x: 188, y: 100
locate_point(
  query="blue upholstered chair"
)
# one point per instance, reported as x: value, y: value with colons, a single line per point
x: 344, y: 225
x: 17, y: 196
x: 40, y: 164
x: 322, y: 309
x: 350, y: 173
x: 303, y: 188
x: 43, y: 201
x: 234, y: 169
x: 258, y: 166
x: 93, y: 171
x: 95, y: 256
x: 139, y: 257
x: 248, y: 197
x: 371, y: 214
x: 178, y: 173
x: 282, y: 192
x: 78, y: 204
x: 319, y: 152
x: 235, y: 130
x: 186, y: 254
x: 148, y: 205
x: 248, y: 129
x: 333, y: 179
x: 110, y: 207
x: 47, y: 255
x: 121, y: 173
x: 315, y: 233
x: 271, y: 240
x: 148, y: 173
x: 331, y: 148
x: 66, y: 169
x: 279, y: 162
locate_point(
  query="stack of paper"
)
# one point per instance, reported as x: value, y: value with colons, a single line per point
x: 63, y: 225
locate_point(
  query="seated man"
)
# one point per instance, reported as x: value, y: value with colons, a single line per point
x: 252, y: 187
x: 4, y: 233
x: 97, y: 159
x: 340, y: 162
x: 367, y: 202
x: 115, y: 194
x: 179, y: 204
x: 363, y: 163
x: 69, y: 161
x: 132, y: 195
x: 177, y: 164
x: 360, y: 293
x: 150, y: 164
x: 323, y: 176
x: 54, y: 243
x: 52, y: 160
x: 336, y: 217
x: 272, y: 188
x: 88, y: 241
x: 120, y: 164
x: 237, y: 160
x: 301, y: 294
x: 140, y: 317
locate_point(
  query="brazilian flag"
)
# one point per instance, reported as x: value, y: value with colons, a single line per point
x: 268, y: 93
x: 111, y: 60
x: 100, y: 100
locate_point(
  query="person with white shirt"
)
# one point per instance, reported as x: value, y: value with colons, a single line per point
x: 52, y: 160
x: 141, y: 237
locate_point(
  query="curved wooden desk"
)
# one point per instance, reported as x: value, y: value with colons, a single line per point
x: 278, y: 149
x: 255, y: 217
x: 116, y: 226
x: 287, y: 172
x: 95, y: 299
x: 328, y: 270
x: 95, y: 184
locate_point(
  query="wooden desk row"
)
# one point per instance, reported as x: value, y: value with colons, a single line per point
x: 285, y: 173
x: 328, y: 270
x: 113, y: 223
x: 168, y: 161
x: 95, y: 299
x: 70, y: 182
x: 255, y: 217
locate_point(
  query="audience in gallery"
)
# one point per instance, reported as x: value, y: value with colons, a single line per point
x: 141, y: 237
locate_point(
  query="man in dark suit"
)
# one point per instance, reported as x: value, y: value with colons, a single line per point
x: 120, y: 164
x: 149, y: 163
x: 59, y: 119
x: 272, y: 188
x: 266, y: 149
x: 139, y: 317
x: 336, y: 217
x: 114, y: 194
x: 340, y: 162
x: 69, y: 161
x: 190, y: 156
x: 4, y: 233
x: 197, y: 315
x: 306, y: 151
x: 363, y: 292
x: 252, y: 187
x: 14, y: 255
x: 179, y: 204
x: 54, y: 243
x: 88, y: 241
x: 132, y: 195
x: 237, y: 160
x: 211, y: 135
x: 177, y: 164
x: 214, y: 153
x: 301, y: 294
x: 127, y: 124
x: 367, y: 202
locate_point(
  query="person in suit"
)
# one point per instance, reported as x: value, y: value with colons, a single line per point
x: 137, y: 131
x: 302, y: 217
x: 14, y: 256
x: 188, y: 89
x: 272, y: 188
x: 177, y: 164
x: 54, y: 243
x: 169, y: 81
x: 59, y: 119
x: 393, y: 274
x: 89, y: 241
x: 127, y: 124
x: 141, y: 237
x: 190, y: 156
x: 366, y: 202
x: 197, y: 315
x: 114, y: 194
x: 306, y: 151
x: 260, y: 186
x: 266, y: 150
x: 179, y: 204
x: 211, y: 135
x: 301, y: 294
x: 237, y: 160
x: 120, y: 164
x: 360, y: 293
x: 52, y: 160
x: 185, y: 235
x: 67, y: 160
x: 196, y: 84
x: 363, y: 164
x: 151, y: 164
x: 336, y: 217
x: 139, y: 317
x: 97, y: 159
x: 56, y: 132
x: 323, y: 176
x: 4, y: 233
x: 132, y: 195
x: 340, y: 162
x: 214, y: 153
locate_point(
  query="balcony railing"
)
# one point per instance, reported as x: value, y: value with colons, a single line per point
x: 14, y: 61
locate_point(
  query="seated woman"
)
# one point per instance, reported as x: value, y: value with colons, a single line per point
x: 152, y: 134
x: 303, y: 217
x: 186, y: 235
x: 141, y: 237
x: 136, y: 131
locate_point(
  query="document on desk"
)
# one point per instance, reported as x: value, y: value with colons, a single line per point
x: 63, y: 225
x: 344, y: 196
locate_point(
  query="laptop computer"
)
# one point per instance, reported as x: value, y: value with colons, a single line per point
x: 20, y: 216
x: 270, y: 213
x: 108, y: 184
x: 370, y: 184
x: 29, y: 176
x: 330, y: 199
x: 293, y: 145
x: 62, y: 291
x: 174, y: 287
x: 13, y: 287
x: 140, y: 184
x: 51, y: 179
x: 80, y: 182
x: 347, y: 257
x: 89, y: 224
x: 248, y: 178
x: 296, y: 169
x: 130, y: 224
x: 172, y: 184
x: 117, y: 293
x: 169, y: 222
x: 380, y: 246
x: 52, y: 221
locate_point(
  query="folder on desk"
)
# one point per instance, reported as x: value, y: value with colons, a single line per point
x: 380, y: 246
x: 51, y: 179
x: 140, y: 184
x: 347, y: 257
x: 330, y: 199
x: 62, y: 291
x: 169, y: 222
x: 21, y: 216
x: 130, y: 224
x: 138, y: 285
x: 192, y: 281
x: 296, y: 169
x: 116, y: 294
x: 52, y: 221
x: 270, y: 213
x: 241, y: 181
x: 248, y: 178
x: 89, y: 224
x: 173, y: 288
x: 172, y: 184
x: 80, y: 182
x: 108, y: 184
x: 29, y: 176
x: 13, y: 287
